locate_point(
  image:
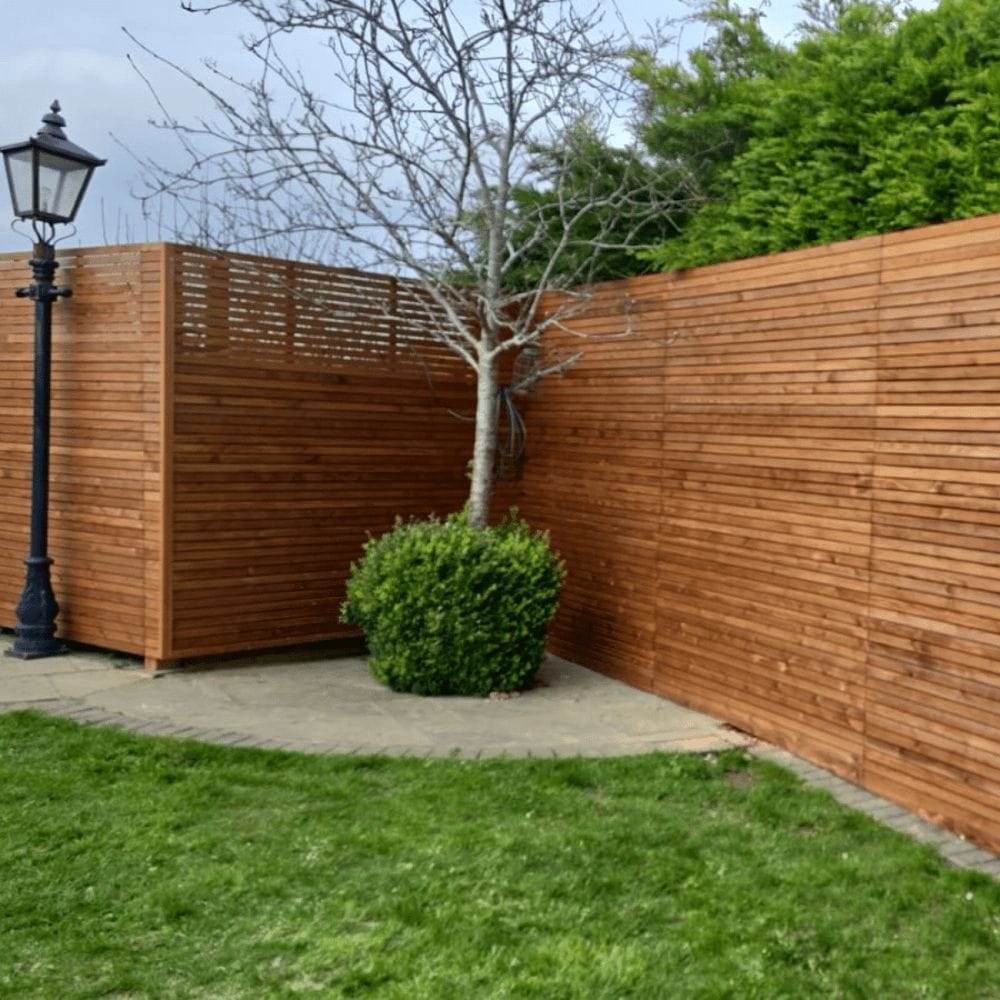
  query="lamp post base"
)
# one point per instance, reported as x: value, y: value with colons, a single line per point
x: 34, y: 635
x: 34, y: 648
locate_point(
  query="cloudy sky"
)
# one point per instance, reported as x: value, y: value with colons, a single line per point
x: 79, y: 54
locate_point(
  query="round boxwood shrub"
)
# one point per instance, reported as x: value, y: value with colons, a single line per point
x: 447, y: 608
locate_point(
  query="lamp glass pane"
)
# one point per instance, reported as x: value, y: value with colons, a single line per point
x: 19, y: 178
x: 60, y: 184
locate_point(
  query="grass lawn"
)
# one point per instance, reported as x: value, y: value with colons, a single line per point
x: 143, y: 867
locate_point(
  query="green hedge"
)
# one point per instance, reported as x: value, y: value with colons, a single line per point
x: 447, y: 608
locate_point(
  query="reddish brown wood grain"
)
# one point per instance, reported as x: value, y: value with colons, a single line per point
x: 226, y: 432
x: 779, y: 502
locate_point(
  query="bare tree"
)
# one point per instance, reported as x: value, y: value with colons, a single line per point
x: 433, y: 115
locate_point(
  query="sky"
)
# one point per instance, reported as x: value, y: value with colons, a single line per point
x: 79, y: 54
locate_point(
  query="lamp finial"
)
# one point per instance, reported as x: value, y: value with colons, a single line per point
x: 53, y: 123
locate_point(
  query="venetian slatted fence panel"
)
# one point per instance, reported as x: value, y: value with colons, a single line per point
x: 933, y: 710
x: 767, y: 456
x: 226, y: 431
x: 304, y: 418
x: 592, y: 476
x: 787, y: 513
x: 107, y: 396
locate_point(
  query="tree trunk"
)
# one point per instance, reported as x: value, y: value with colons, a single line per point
x: 484, y: 449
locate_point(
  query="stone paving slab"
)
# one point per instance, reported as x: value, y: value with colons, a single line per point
x: 315, y: 702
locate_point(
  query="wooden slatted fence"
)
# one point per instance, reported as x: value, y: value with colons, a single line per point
x: 305, y: 417
x: 779, y: 501
x: 226, y: 431
x: 106, y: 487
x: 776, y: 482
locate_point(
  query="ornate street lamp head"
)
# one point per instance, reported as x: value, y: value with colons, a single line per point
x: 48, y: 174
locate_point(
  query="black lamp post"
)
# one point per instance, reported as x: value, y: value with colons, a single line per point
x: 48, y: 176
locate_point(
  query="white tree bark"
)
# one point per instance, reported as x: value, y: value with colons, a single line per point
x: 484, y: 445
